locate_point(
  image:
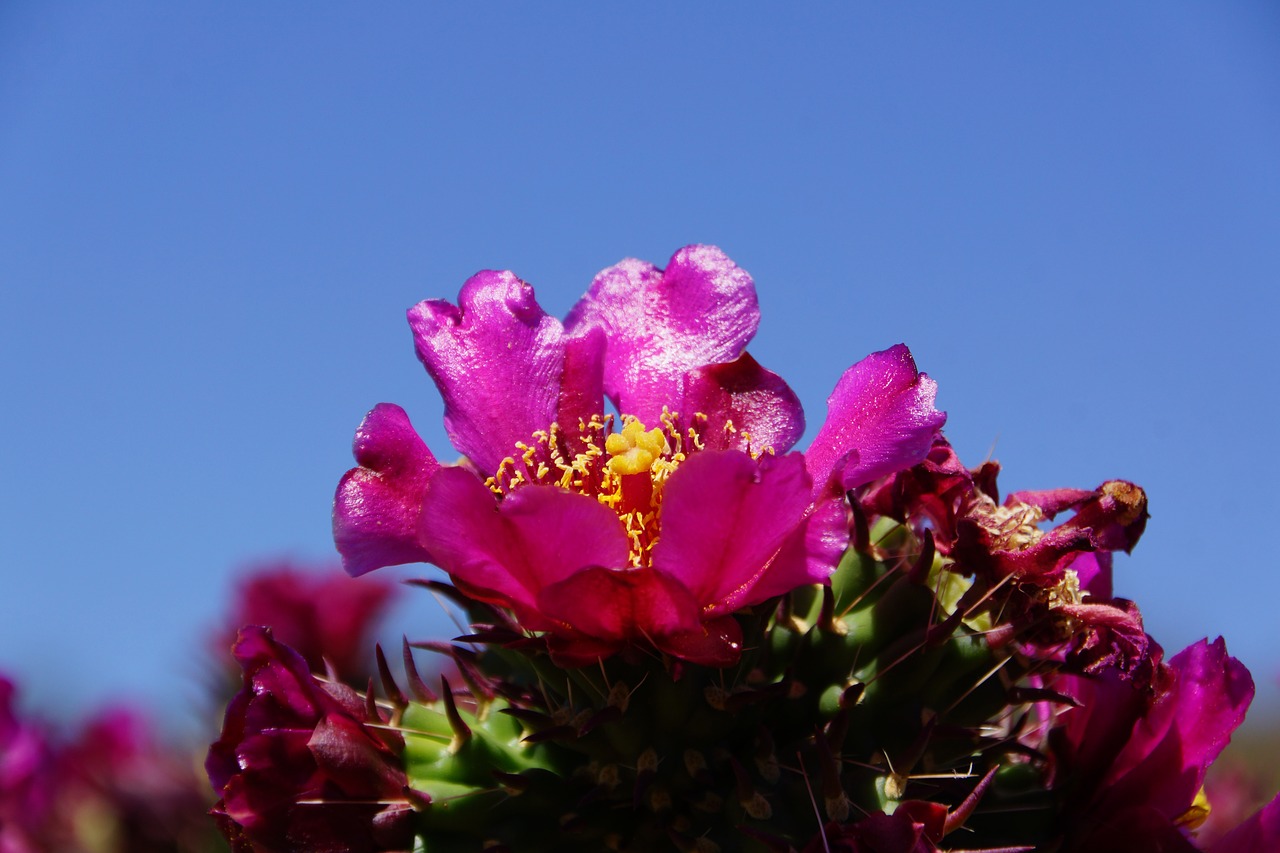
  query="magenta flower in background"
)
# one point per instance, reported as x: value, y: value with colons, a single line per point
x: 321, y: 613
x: 121, y: 788
x: 1259, y: 833
x: 1234, y: 792
x: 109, y: 786
x: 27, y: 787
x: 652, y: 526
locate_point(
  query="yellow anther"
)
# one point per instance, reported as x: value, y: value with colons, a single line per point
x: 598, y: 462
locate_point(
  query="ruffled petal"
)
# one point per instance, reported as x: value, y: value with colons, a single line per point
x: 378, y: 505
x: 757, y: 402
x: 660, y: 324
x: 499, y: 361
x: 725, y: 517
x: 880, y: 419
x: 505, y: 553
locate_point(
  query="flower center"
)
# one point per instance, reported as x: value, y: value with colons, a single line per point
x: 623, y: 470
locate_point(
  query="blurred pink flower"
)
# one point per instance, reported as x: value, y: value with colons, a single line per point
x: 319, y: 611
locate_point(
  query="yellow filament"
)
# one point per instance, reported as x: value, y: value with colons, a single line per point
x: 605, y: 460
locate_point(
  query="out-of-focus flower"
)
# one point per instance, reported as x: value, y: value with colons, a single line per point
x: 1234, y: 793
x: 27, y: 787
x: 121, y: 790
x: 1259, y: 833
x: 112, y: 787
x: 298, y: 765
x: 322, y: 614
x: 653, y: 529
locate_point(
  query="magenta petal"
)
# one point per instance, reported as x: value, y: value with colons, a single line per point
x: 660, y: 324
x: 505, y: 553
x: 717, y: 643
x: 880, y: 419
x: 1164, y: 762
x: 1093, y: 570
x: 570, y: 650
x: 497, y: 359
x: 725, y: 517
x: 581, y: 385
x: 620, y: 605
x: 1051, y: 501
x: 343, y: 751
x: 810, y: 554
x: 1042, y: 563
x: 377, y: 506
x: 756, y: 401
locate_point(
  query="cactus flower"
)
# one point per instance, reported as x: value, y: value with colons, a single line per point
x: 300, y: 766
x: 1132, y: 756
x: 650, y: 527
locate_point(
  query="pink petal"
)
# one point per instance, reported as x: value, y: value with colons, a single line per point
x: 581, y: 385
x: 660, y: 324
x: 1042, y: 563
x: 500, y: 364
x: 378, y: 505
x: 716, y: 643
x: 506, y: 553
x: 1051, y: 501
x: 725, y: 517
x: 810, y: 554
x: 620, y: 605
x: 880, y: 419
x: 1164, y: 762
x: 756, y: 401
x: 1093, y: 569
x: 570, y: 650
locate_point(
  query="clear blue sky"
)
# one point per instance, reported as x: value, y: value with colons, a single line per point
x: 213, y: 216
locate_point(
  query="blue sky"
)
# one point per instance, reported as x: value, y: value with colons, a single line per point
x: 215, y: 215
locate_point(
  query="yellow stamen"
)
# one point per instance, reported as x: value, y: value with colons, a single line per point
x: 624, y: 470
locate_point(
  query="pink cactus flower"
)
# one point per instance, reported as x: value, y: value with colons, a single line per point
x: 651, y: 527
